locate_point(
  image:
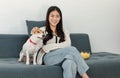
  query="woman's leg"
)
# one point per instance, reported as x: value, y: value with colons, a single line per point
x: 74, y: 55
x: 69, y: 69
x: 70, y: 53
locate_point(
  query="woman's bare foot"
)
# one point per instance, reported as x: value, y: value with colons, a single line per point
x: 85, y: 75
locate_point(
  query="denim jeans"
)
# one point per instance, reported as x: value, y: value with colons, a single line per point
x: 70, y: 60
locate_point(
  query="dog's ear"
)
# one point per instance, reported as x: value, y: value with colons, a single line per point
x: 34, y: 29
x: 31, y: 32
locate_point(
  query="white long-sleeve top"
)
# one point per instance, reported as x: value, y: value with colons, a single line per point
x: 52, y: 44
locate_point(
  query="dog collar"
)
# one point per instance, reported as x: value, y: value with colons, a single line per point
x: 32, y: 42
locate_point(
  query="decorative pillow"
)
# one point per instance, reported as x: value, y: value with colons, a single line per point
x: 31, y: 24
x: 85, y: 55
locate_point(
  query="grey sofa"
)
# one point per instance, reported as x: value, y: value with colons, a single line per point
x: 102, y: 64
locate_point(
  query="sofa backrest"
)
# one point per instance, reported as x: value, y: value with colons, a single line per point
x: 11, y: 44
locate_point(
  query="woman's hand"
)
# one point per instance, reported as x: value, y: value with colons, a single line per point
x: 42, y: 50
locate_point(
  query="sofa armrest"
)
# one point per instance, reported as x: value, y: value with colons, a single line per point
x: 11, y: 44
x: 81, y: 41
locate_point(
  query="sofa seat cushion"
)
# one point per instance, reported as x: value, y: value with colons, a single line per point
x: 9, y: 67
x: 104, y: 65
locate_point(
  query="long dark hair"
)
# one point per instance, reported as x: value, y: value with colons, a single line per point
x: 59, y: 27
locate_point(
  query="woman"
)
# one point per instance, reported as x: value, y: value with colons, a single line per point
x: 58, y: 49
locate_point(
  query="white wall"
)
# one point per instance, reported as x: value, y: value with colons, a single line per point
x: 99, y: 18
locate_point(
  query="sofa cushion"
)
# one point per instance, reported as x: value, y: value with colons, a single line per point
x: 31, y: 24
x: 10, y: 68
x: 104, y: 65
x: 11, y: 44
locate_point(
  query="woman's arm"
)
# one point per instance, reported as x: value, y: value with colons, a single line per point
x: 64, y: 44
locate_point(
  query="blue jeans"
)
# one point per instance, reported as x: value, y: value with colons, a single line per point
x: 71, y: 60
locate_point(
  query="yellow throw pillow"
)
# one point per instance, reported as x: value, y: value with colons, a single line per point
x: 85, y: 55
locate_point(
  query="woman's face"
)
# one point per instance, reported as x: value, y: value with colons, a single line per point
x: 54, y: 18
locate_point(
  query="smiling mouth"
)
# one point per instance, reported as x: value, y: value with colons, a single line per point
x: 54, y: 22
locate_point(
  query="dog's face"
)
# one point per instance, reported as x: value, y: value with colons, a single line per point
x: 39, y: 33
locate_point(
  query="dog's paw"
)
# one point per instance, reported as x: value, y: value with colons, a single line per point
x: 34, y: 63
x: 19, y: 61
x: 27, y: 63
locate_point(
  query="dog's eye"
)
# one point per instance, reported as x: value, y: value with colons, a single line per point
x: 38, y: 32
